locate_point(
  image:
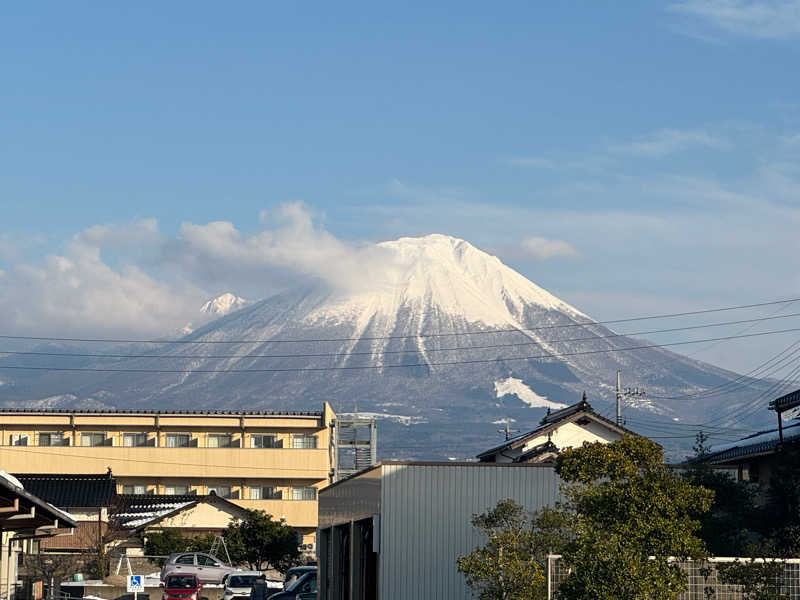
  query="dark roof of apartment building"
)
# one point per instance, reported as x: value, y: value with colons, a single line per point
x: 124, y: 411
x: 71, y: 490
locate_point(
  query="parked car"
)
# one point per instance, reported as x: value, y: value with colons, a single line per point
x: 239, y: 584
x: 181, y: 587
x: 209, y: 569
x: 294, y: 573
x: 306, y: 583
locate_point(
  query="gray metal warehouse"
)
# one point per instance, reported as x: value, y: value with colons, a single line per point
x: 395, y: 531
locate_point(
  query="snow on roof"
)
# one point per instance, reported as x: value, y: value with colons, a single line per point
x: 11, y: 479
x: 789, y: 432
x: 140, y: 517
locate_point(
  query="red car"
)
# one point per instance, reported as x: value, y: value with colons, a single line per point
x: 181, y: 587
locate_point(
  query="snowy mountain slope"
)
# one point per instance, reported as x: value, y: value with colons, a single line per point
x: 425, y: 344
x: 223, y: 304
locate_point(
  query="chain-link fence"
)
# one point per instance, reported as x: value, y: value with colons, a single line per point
x: 703, y: 581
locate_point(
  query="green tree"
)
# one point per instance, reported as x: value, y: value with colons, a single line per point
x: 631, y: 517
x: 167, y: 541
x: 760, y: 579
x: 782, y: 509
x: 732, y: 525
x: 511, y: 564
x: 261, y: 542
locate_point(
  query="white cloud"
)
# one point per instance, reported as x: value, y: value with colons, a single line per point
x: 543, y: 248
x: 669, y: 141
x: 294, y: 245
x: 76, y: 292
x: 764, y: 19
x: 140, y: 233
x: 79, y: 292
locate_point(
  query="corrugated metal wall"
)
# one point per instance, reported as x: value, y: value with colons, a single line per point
x: 425, y: 521
x: 350, y: 500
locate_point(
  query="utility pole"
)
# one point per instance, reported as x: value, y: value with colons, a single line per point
x: 507, y: 432
x: 622, y: 394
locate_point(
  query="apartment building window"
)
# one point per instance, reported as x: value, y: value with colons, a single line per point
x: 223, y: 491
x: 176, y: 490
x: 304, y: 493
x: 132, y: 440
x: 304, y: 441
x: 19, y: 439
x: 138, y: 488
x: 265, y: 441
x: 93, y: 439
x: 53, y: 438
x: 177, y: 440
x: 265, y: 492
x: 219, y: 440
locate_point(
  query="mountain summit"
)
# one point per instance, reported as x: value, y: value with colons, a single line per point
x: 439, y: 273
x: 222, y: 305
x: 440, y: 343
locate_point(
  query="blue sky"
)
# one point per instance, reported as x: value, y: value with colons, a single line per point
x: 632, y: 158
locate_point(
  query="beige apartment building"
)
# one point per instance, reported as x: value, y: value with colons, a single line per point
x: 270, y: 461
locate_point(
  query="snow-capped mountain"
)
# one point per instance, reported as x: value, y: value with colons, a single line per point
x: 444, y: 344
x: 222, y: 305
x: 213, y: 309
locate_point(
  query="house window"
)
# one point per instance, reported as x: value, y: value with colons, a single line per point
x: 19, y: 439
x: 304, y: 441
x: 53, y: 438
x: 265, y: 492
x: 265, y: 441
x: 131, y: 440
x: 177, y: 440
x: 139, y: 489
x: 176, y: 490
x: 219, y: 440
x: 93, y: 439
x: 304, y: 493
x: 223, y: 491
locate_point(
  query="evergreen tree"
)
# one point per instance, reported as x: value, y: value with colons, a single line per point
x: 633, y: 517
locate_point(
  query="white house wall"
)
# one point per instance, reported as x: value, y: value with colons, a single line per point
x: 572, y: 435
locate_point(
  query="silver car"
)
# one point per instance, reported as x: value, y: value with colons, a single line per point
x: 209, y: 569
x: 239, y: 584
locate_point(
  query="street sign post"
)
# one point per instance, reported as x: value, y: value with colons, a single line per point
x: 135, y: 585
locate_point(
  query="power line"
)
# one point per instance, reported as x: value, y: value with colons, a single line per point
x: 739, y: 413
x: 405, y: 351
x: 697, y: 351
x: 776, y: 389
x: 416, y: 336
x: 649, y: 423
x: 400, y: 366
x: 763, y: 370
